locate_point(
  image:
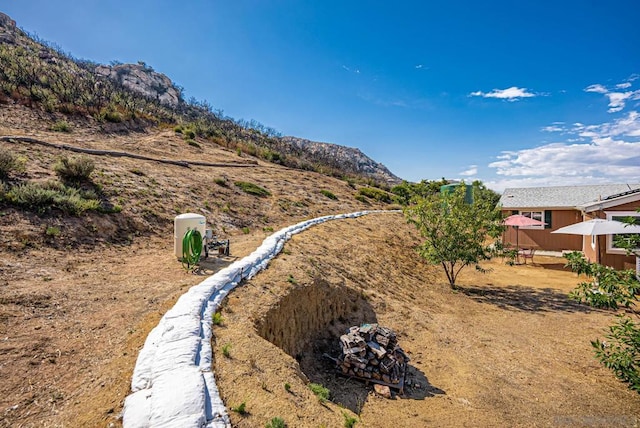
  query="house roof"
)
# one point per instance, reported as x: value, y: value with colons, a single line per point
x: 563, y: 196
x: 612, y: 201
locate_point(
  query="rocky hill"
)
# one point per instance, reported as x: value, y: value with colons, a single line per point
x: 39, y: 74
x: 348, y: 158
x: 144, y: 80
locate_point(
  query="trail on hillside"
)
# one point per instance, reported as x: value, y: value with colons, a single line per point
x: 183, y: 163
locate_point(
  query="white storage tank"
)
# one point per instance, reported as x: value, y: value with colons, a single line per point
x: 184, y: 223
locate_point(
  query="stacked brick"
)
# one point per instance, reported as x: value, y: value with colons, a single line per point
x: 371, y: 352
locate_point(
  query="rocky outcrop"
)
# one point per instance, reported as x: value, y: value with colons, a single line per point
x: 7, y: 29
x: 143, y: 80
x: 349, y: 159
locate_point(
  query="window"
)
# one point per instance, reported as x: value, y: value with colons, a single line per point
x: 536, y: 215
x: 620, y: 216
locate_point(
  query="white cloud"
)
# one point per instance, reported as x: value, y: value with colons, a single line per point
x: 419, y: 66
x: 511, y: 94
x: 596, y: 88
x: 588, y: 153
x: 473, y: 170
x: 355, y: 70
x: 602, y: 160
x: 603, y: 153
x: 627, y: 126
x: 617, y: 99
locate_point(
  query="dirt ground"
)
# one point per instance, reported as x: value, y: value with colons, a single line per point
x: 76, y: 305
x: 507, y: 349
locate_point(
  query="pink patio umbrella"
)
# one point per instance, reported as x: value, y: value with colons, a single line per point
x: 518, y: 221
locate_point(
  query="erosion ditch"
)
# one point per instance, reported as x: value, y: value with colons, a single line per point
x: 308, y: 322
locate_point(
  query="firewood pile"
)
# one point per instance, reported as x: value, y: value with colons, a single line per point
x: 371, y: 352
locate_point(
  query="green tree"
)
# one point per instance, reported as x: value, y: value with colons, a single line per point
x: 456, y: 233
x: 486, y: 194
x: 606, y: 287
x: 630, y: 242
x: 406, y: 192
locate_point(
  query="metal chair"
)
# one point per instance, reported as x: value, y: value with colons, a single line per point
x: 527, y: 253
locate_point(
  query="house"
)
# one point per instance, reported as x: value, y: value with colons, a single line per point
x: 560, y: 206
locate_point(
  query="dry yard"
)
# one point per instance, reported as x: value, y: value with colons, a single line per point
x: 507, y: 349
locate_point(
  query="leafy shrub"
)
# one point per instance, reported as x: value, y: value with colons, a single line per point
x: 621, y: 352
x: 350, y: 182
x: 217, y: 318
x: 609, y: 288
x: 252, y: 189
x: 349, y: 421
x: 4, y: 188
x: 246, y: 230
x: 605, y: 287
x: 226, y: 350
x: 178, y: 129
x: 375, y: 194
x: 241, y: 408
x: 43, y: 197
x: 52, y: 231
x: 287, y: 387
x: 189, y: 134
x: 75, y: 170
x: 109, y: 209
x: 328, y: 194
x: 251, y: 149
x: 320, y: 391
x: 111, y: 115
x: 9, y: 163
x: 362, y: 199
x: 272, y: 156
x: 61, y: 126
x: 221, y: 182
x: 193, y: 143
x: 276, y: 423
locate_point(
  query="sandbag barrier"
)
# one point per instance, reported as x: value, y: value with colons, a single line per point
x: 173, y: 383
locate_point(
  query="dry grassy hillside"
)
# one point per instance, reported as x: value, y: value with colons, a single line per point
x: 79, y: 294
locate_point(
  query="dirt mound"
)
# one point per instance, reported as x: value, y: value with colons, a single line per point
x: 477, y: 356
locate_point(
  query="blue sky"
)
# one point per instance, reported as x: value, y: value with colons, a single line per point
x: 516, y: 94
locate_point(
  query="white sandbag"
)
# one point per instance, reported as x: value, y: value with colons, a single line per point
x: 179, y: 327
x: 178, y: 399
x: 173, y: 383
x: 178, y: 353
x: 214, y: 409
x: 137, y: 408
x: 141, y: 378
